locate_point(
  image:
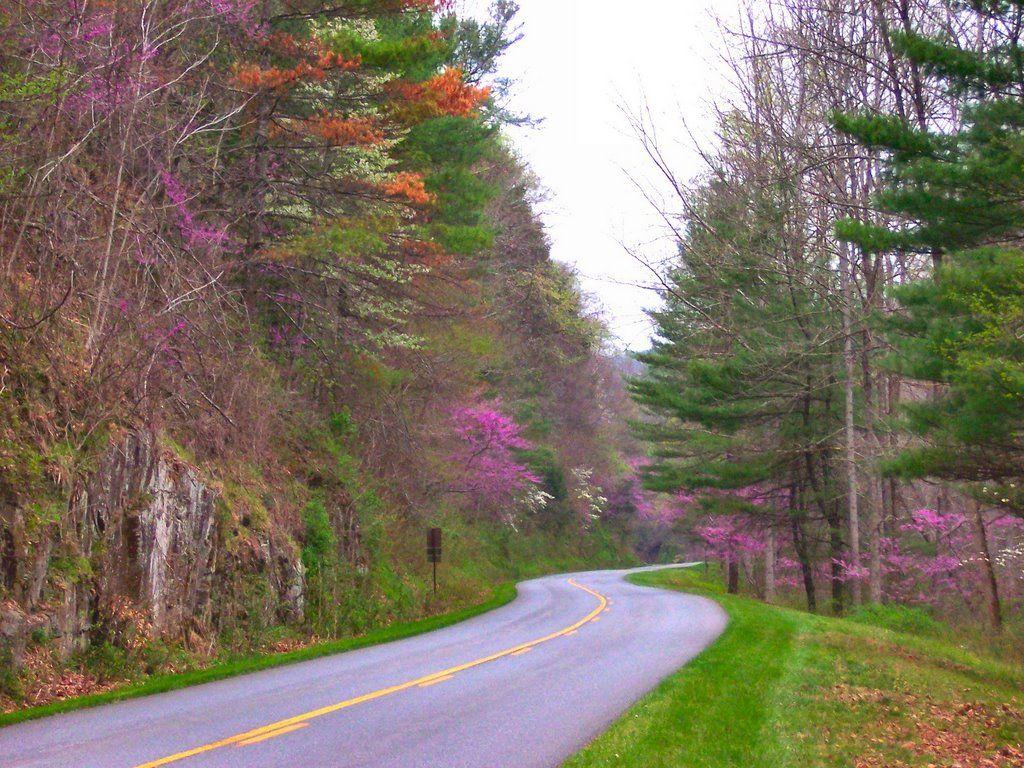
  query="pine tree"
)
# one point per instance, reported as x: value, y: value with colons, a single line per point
x: 956, y: 196
x: 740, y: 382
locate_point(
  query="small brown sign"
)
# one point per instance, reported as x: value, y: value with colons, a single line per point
x: 434, y: 551
x: 434, y: 545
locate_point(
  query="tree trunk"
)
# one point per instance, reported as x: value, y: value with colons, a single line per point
x: 853, y: 512
x: 995, y: 608
x: 803, y: 556
x: 733, y: 586
x: 769, y: 565
x: 835, y: 541
x: 890, y: 510
x: 875, y: 546
x: 833, y: 517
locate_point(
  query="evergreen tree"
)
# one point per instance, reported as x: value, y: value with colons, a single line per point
x: 956, y: 196
x: 740, y: 380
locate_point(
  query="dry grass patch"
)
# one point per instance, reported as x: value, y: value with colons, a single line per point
x: 942, y: 734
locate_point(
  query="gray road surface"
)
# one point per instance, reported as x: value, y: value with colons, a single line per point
x: 524, y: 686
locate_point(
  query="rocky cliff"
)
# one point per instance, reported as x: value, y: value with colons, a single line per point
x: 141, y: 552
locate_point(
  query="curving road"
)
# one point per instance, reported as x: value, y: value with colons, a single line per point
x: 526, y: 685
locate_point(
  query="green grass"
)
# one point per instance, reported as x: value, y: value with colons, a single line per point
x: 784, y: 688
x: 503, y: 594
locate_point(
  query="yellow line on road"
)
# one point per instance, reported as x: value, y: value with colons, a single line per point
x: 525, y: 650
x: 272, y: 734
x: 436, y: 681
x: 278, y: 728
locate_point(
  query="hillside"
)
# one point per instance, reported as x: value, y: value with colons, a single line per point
x: 275, y: 301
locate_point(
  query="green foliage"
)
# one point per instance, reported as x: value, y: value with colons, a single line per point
x: 69, y: 569
x: 463, y: 240
x: 252, y: 615
x: 737, y: 380
x: 341, y: 425
x: 959, y: 330
x: 546, y: 303
x: 110, y: 662
x: 455, y: 141
x: 898, y: 618
x: 14, y: 86
x: 955, y: 196
x: 401, y: 47
x: 955, y: 190
x: 244, y: 502
x: 461, y: 196
x: 375, y: 375
x: 320, y: 545
x: 24, y: 470
x: 544, y: 462
x: 11, y: 684
x: 475, y: 346
x: 479, y: 44
x: 449, y: 150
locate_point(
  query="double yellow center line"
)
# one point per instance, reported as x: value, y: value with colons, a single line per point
x: 290, y: 724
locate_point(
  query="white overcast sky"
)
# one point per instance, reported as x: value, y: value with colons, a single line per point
x: 579, y: 63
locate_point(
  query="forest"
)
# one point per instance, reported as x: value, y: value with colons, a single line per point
x: 275, y: 300
x: 834, y: 391
x: 278, y: 297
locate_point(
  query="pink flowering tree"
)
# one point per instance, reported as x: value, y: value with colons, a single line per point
x: 194, y: 232
x: 936, y: 559
x: 485, y: 457
x: 738, y: 530
x: 929, y: 561
x: 729, y: 537
x: 733, y: 539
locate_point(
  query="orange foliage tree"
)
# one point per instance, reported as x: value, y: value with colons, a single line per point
x: 409, y: 186
x: 447, y: 93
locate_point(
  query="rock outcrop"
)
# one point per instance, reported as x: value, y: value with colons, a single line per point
x: 140, y: 550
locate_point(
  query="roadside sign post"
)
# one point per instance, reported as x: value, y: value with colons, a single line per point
x: 434, y: 551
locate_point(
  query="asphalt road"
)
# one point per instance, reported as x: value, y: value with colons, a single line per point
x: 524, y: 686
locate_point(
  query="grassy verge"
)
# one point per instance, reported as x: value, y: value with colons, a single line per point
x: 784, y: 688
x: 502, y: 595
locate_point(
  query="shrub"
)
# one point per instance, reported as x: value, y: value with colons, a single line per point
x: 898, y: 618
x: 10, y: 681
x: 321, y: 546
